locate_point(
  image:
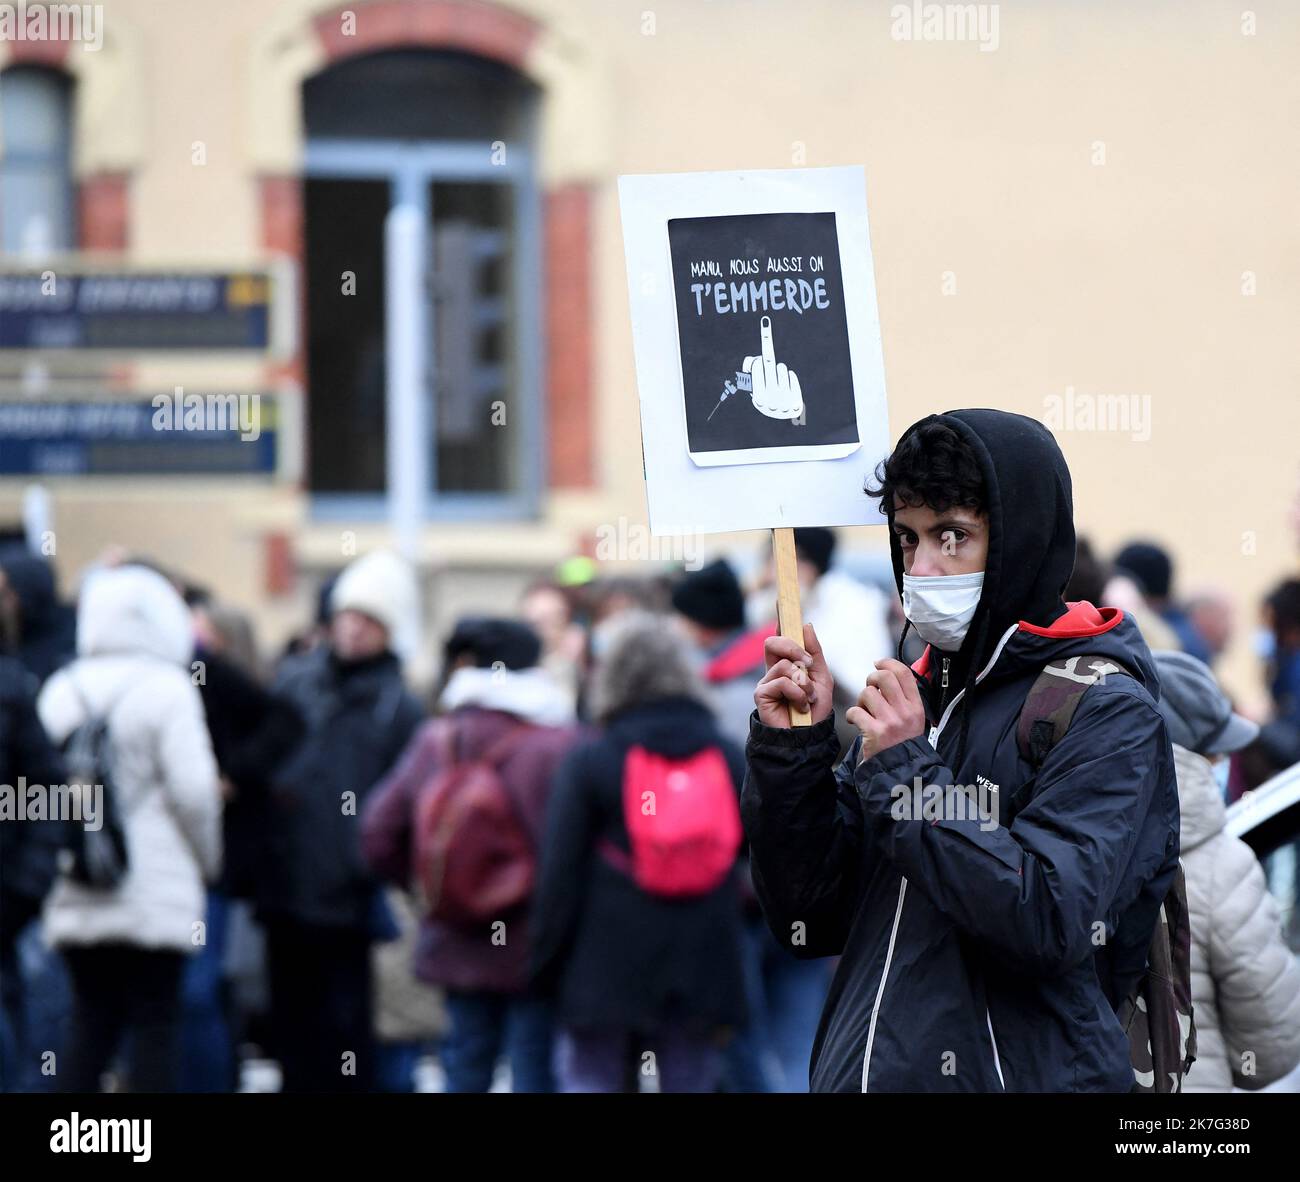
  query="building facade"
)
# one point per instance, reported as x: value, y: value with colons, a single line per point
x: 1083, y: 213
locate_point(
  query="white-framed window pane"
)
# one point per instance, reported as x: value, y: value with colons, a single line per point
x: 474, y: 323
x: 36, y: 188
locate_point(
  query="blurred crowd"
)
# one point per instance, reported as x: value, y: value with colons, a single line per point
x: 323, y: 882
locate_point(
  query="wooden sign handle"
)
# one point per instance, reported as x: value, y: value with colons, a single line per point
x: 788, y: 614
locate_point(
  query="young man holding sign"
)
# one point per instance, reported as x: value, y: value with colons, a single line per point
x: 993, y: 905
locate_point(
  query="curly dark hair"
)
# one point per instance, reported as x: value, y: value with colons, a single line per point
x: 932, y: 466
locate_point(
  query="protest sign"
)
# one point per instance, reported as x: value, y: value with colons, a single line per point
x: 758, y: 355
x: 757, y: 344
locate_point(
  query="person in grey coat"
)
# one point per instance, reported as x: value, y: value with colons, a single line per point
x: 1245, y: 980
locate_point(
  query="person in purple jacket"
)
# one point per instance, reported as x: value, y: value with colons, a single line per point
x: 494, y: 686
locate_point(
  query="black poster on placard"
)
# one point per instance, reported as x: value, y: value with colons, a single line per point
x: 763, y: 333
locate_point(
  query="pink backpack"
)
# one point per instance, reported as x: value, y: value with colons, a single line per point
x: 682, y: 821
x: 473, y: 851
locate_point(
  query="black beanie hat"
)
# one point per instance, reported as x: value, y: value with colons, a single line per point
x: 817, y: 545
x: 711, y: 597
x: 489, y: 640
x: 1149, y: 566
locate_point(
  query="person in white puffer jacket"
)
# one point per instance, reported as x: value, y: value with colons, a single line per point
x: 125, y: 947
x: 1245, y: 980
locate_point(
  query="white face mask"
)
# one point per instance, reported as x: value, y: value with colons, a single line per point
x: 941, y: 607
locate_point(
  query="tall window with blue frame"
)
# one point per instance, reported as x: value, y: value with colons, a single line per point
x: 422, y: 286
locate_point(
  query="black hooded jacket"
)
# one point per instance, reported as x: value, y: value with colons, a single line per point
x: 985, y: 951
x: 615, y: 957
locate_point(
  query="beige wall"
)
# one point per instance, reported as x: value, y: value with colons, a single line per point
x: 1115, y: 278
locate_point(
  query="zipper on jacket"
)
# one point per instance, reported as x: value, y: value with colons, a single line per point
x: 902, y: 886
x: 997, y: 1062
x: 943, y: 686
x: 884, y: 976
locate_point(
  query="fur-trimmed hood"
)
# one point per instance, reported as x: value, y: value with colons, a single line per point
x: 531, y: 694
x: 133, y: 611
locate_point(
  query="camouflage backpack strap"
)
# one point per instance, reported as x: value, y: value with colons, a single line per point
x: 1052, y: 700
x: 1158, y: 1017
x: 1178, y: 919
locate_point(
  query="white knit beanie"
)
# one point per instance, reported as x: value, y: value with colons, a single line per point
x: 382, y: 586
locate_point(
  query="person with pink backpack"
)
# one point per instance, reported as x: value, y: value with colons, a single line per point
x: 637, y: 919
x: 459, y: 820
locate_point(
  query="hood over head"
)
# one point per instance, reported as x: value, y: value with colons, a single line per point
x: 1031, y: 524
x: 133, y: 611
x: 1022, y: 622
x: 1197, y: 712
